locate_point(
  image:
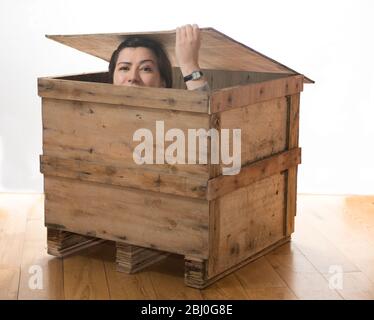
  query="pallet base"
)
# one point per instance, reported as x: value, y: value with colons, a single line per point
x: 131, y: 259
x: 63, y: 243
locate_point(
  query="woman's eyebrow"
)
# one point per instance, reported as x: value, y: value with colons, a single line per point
x: 141, y: 62
x: 147, y: 60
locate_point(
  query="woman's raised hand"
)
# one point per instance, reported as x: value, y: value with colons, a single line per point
x: 187, y: 46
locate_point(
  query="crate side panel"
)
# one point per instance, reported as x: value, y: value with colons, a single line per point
x: 104, y: 133
x: 263, y: 129
x: 247, y: 221
x: 146, y: 219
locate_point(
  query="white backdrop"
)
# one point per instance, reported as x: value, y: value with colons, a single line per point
x: 329, y: 41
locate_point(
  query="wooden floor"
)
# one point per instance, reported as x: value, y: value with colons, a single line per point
x: 332, y: 233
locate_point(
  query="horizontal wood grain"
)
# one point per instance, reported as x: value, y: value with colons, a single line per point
x: 230, y: 98
x: 251, y: 173
x: 151, y: 98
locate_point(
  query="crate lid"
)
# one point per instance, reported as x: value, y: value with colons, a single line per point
x: 217, y: 51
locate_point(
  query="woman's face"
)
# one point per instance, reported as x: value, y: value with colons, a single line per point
x: 137, y: 67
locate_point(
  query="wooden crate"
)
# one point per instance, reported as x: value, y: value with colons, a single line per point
x: 94, y: 189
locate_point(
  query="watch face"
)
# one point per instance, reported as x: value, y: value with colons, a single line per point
x: 196, y: 75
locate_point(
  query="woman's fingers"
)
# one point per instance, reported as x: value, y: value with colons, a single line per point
x: 189, y: 32
x: 187, y: 46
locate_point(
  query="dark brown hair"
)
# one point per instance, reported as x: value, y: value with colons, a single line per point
x: 163, y: 61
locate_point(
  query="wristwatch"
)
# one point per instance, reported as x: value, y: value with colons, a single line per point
x: 195, y: 75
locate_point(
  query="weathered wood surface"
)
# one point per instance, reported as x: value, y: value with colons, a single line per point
x: 150, y: 98
x: 218, y: 51
x: 293, y: 142
x: 147, y: 219
x: 254, y: 172
x: 263, y: 129
x: 247, y: 221
x: 150, y: 180
x: 104, y: 133
x: 230, y: 98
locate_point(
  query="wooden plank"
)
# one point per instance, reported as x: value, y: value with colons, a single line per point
x: 293, y: 142
x: 214, y: 123
x: 84, y: 276
x: 23, y: 245
x: 147, y: 219
x: 122, y: 176
x: 9, y: 282
x: 230, y: 98
x: 263, y: 129
x: 104, y: 133
x: 345, y: 225
x: 254, y: 172
x: 260, y: 281
x: 250, y: 219
x: 321, y: 252
x: 301, y: 277
x: 218, y: 51
x: 13, y: 218
x: 150, y: 98
x: 124, y: 286
x: 227, y: 288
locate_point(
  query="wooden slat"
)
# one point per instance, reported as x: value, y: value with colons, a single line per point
x: 122, y: 176
x: 150, y: 98
x: 142, y: 218
x: 293, y: 142
x: 226, y: 99
x: 214, y: 123
x: 263, y: 128
x: 256, y: 171
x: 103, y: 133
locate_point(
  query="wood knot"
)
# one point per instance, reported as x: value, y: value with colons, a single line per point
x: 110, y: 170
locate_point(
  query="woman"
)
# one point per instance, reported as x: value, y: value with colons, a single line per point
x: 140, y: 61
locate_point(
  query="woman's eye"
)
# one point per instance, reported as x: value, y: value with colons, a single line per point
x: 124, y: 68
x: 147, y: 69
